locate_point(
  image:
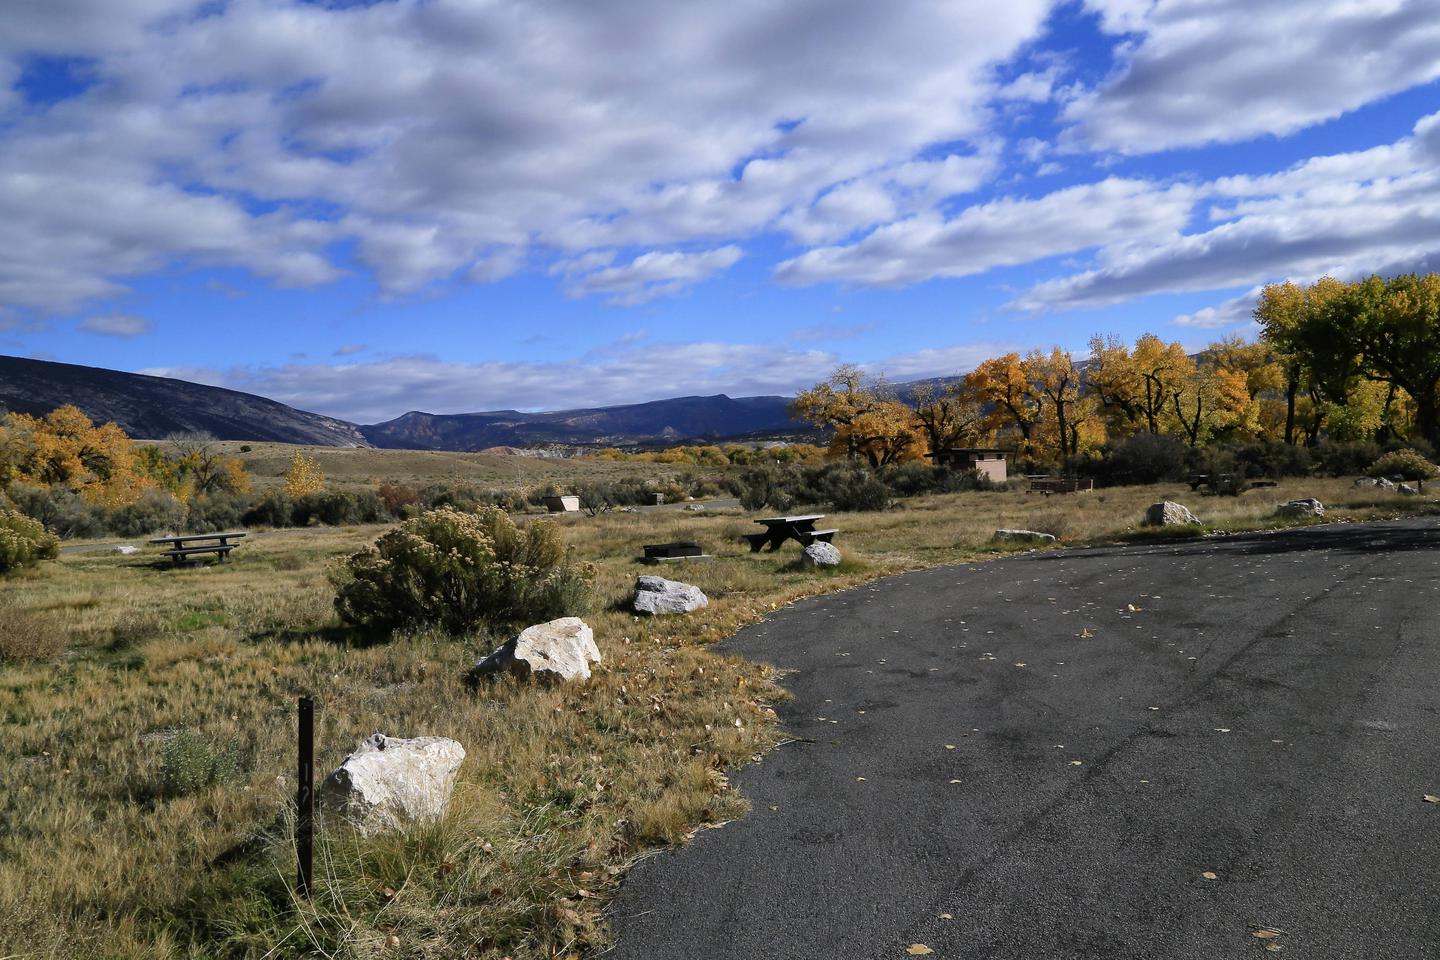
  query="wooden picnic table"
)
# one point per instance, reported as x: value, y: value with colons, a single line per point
x: 779, y: 529
x: 196, y: 544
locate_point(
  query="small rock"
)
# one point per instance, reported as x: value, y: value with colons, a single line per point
x: 126, y: 549
x: 389, y: 781
x: 656, y: 595
x: 1022, y: 536
x: 821, y: 554
x: 1169, y: 514
x: 1407, y: 490
x: 1308, y: 507
x: 1385, y: 483
x: 559, y: 650
x: 695, y: 506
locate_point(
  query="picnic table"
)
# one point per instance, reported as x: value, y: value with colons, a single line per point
x: 779, y: 529
x: 197, y: 544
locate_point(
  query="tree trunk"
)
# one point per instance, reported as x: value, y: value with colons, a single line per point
x: 1292, y: 387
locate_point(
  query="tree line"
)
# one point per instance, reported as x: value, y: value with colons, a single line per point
x: 1334, y: 361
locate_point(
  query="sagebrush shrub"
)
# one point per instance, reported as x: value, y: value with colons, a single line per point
x: 460, y: 571
x: 1407, y: 464
x: 192, y: 762
x: 24, y: 541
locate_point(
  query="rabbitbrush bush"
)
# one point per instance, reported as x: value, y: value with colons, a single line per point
x: 462, y: 570
x: 24, y: 541
x: 1406, y: 463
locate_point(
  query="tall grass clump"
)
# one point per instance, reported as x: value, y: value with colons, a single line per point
x: 462, y: 570
x: 27, y: 634
x: 24, y: 541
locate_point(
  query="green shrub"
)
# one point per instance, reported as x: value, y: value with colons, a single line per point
x: 1406, y: 463
x: 24, y: 541
x: 272, y: 510
x: 63, y: 511
x: 214, y: 512
x: 192, y: 762
x: 460, y: 571
x: 856, y: 489
x: 596, y: 498
x: 156, y: 510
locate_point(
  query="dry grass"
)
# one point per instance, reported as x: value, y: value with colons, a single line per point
x: 351, y: 468
x: 561, y: 789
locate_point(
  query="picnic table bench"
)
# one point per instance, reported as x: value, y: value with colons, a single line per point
x: 779, y: 529
x: 197, y: 544
x: 1046, y: 484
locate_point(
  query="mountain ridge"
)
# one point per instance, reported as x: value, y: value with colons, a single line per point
x: 150, y: 407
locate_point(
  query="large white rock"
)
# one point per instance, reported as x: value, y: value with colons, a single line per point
x: 1407, y: 490
x: 389, y: 781
x: 656, y: 595
x: 1168, y: 514
x: 1385, y: 483
x: 1022, y: 536
x: 126, y: 549
x: 821, y: 554
x: 560, y: 650
x: 1309, y: 507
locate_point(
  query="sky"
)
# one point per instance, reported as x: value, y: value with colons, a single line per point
x: 366, y: 208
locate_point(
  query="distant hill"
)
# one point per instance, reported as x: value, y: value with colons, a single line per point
x: 155, y: 407
x: 699, y: 419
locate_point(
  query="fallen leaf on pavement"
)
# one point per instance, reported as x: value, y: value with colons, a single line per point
x: 1265, y: 933
x: 1210, y: 875
x: 946, y: 916
x: 919, y: 950
x: 1431, y: 798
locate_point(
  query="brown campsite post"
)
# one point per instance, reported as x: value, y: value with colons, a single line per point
x: 305, y: 798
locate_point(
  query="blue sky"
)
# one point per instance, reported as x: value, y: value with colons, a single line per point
x: 364, y: 208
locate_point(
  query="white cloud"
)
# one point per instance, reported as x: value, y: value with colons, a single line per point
x: 447, y: 139
x: 1223, y: 71
x: 1000, y: 233
x: 1230, y: 313
x: 1375, y: 210
x: 624, y: 372
x: 656, y: 274
x: 117, y: 325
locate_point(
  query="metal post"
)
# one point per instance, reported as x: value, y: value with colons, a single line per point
x: 305, y: 798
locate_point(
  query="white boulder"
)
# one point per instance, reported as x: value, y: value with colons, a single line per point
x: 560, y: 650
x: 126, y: 549
x: 1022, y: 536
x: 1385, y: 483
x: 656, y: 595
x: 1169, y: 514
x: 1407, y: 490
x: 390, y: 781
x: 821, y: 554
x: 1308, y: 507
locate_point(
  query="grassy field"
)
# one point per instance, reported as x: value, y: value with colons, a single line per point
x: 120, y: 673
x: 352, y: 468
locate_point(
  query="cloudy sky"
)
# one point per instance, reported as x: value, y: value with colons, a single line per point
x: 364, y: 208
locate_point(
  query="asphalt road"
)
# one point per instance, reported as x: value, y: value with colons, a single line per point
x: 1006, y: 761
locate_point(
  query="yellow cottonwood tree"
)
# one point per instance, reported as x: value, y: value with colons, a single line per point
x: 67, y: 448
x: 1004, y: 385
x: 304, y: 477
